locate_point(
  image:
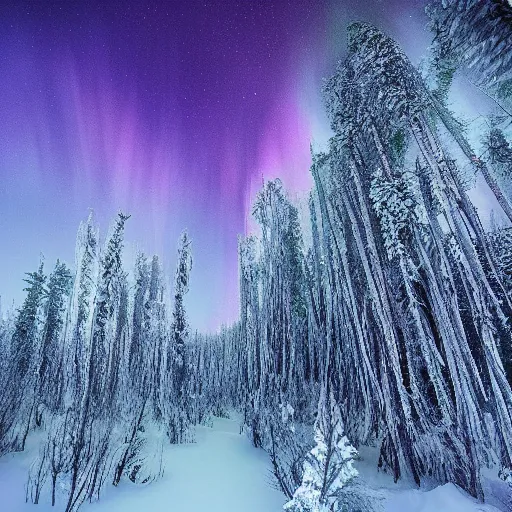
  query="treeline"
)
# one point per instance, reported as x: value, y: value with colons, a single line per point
x: 400, y: 307
x: 96, y: 364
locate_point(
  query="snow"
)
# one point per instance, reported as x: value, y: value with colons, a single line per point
x: 446, y: 497
x: 223, y: 472
x: 405, y: 496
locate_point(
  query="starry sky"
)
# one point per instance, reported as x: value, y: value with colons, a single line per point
x: 171, y: 111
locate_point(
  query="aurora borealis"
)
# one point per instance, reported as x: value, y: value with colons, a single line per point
x: 170, y: 111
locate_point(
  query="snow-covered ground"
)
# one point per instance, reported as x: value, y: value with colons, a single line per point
x: 222, y: 472
x: 405, y: 496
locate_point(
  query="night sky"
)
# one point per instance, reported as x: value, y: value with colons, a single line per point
x: 171, y: 111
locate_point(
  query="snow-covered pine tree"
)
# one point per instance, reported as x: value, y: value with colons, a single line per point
x: 180, y: 327
x: 157, y: 326
x: 500, y: 156
x: 137, y: 352
x: 328, y: 467
x: 18, y: 396
x: 80, y: 313
x: 500, y: 240
x: 475, y: 36
x: 101, y: 371
x: 177, y: 351
x: 500, y: 151
x: 51, y: 371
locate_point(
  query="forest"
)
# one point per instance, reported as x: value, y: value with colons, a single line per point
x: 380, y: 315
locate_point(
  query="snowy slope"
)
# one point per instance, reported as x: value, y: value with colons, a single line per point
x: 445, y: 498
x: 222, y: 472
x: 404, y: 496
